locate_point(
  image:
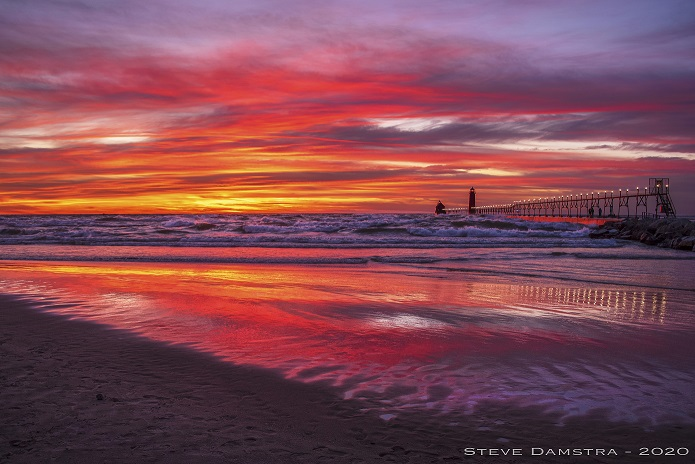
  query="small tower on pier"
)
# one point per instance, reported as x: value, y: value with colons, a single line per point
x: 659, y: 188
x: 471, y: 201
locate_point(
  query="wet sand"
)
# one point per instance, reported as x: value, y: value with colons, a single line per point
x: 78, y: 392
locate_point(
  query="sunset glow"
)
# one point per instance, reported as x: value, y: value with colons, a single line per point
x: 312, y: 106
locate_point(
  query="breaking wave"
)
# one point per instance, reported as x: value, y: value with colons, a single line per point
x: 287, y: 231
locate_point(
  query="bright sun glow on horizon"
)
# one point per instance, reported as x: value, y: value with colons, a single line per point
x: 352, y: 106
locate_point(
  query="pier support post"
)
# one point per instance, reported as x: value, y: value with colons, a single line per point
x: 471, y: 201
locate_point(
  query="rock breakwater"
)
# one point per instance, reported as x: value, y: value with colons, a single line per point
x: 673, y: 233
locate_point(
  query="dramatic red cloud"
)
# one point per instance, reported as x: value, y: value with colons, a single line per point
x: 229, y: 108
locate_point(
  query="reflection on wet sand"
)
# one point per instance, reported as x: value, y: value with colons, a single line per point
x: 399, y: 339
x: 628, y: 305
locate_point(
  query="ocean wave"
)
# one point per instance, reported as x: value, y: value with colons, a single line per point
x: 178, y: 222
x: 357, y: 230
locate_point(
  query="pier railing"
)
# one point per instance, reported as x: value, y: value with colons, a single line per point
x: 623, y: 203
x: 457, y: 210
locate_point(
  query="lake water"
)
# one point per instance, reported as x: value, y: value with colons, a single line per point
x: 401, y: 312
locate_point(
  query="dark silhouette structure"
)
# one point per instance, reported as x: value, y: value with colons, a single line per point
x: 608, y: 204
x: 471, y: 201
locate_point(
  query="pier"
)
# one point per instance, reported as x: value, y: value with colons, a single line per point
x: 606, y: 204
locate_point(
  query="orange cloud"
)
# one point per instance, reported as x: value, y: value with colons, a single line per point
x: 325, y: 114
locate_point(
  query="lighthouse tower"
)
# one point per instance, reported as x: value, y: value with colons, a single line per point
x: 471, y: 201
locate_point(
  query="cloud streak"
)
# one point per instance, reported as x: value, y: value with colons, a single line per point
x: 215, y: 105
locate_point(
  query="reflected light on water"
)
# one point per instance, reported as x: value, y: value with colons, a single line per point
x: 405, y: 322
x: 399, y: 339
x: 616, y: 304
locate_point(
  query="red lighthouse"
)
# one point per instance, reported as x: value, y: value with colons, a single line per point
x: 471, y: 201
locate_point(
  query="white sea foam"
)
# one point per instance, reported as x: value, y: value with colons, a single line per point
x: 360, y: 230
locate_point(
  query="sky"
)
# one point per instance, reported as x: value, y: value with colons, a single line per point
x: 131, y: 106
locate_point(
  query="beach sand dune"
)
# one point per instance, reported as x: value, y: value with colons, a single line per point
x: 77, y: 392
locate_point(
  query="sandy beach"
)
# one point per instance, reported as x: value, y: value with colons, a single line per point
x: 79, y: 392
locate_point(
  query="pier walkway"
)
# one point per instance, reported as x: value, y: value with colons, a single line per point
x: 598, y: 205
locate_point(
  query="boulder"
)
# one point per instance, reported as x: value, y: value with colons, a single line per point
x: 648, y: 238
x: 665, y: 232
x: 654, y: 226
x: 686, y: 243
